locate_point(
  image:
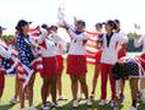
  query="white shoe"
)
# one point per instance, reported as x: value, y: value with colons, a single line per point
x: 13, y: 100
x: 102, y: 102
x: 89, y: 102
x: 44, y: 107
x: 56, y: 105
x: 133, y: 108
x: 112, y: 103
x: 32, y: 108
x: 75, y: 104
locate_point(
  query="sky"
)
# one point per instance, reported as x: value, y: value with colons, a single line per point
x: 92, y: 11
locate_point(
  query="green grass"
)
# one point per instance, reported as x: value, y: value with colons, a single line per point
x: 9, y: 92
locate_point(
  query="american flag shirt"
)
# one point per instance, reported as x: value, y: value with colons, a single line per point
x: 24, y: 48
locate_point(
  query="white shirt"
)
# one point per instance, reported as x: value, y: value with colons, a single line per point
x: 50, y: 49
x: 59, y: 43
x: 110, y: 54
x: 4, y: 50
x: 77, y: 47
x: 140, y: 42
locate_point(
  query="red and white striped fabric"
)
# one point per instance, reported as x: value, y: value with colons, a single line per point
x: 91, y: 47
x: 37, y: 63
x: 24, y: 73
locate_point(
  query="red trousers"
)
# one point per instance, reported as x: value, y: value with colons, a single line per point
x: 106, y: 71
x: 2, y: 80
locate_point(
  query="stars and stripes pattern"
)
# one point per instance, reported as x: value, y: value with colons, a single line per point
x: 90, y: 45
x: 37, y: 63
x: 134, y: 66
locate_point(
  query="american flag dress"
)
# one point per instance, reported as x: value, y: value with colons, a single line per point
x: 25, y: 56
x: 23, y: 46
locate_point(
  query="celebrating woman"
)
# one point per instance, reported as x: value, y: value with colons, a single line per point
x: 111, y: 44
x: 76, y: 60
x: 25, y: 55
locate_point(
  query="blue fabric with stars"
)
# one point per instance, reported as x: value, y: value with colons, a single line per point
x: 132, y: 67
x: 23, y: 46
x: 6, y: 63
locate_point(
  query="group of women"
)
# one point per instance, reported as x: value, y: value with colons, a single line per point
x: 48, y: 47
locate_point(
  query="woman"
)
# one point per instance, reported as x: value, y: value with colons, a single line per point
x: 110, y: 48
x: 121, y: 53
x: 4, y: 54
x: 59, y: 43
x: 49, y: 74
x: 25, y: 55
x: 76, y: 60
x: 134, y: 70
x: 138, y: 42
x: 99, y: 35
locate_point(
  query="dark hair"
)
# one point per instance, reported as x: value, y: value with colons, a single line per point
x: 44, y: 26
x: 21, y: 23
x: 112, y: 24
x: 2, y: 28
x: 53, y: 27
x: 81, y: 22
x: 99, y: 24
x: 117, y: 21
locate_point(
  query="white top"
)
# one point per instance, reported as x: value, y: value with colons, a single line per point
x: 59, y: 43
x: 110, y: 54
x: 4, y: 50
x: 77, y: 46
x: 140, y: 42
x: 50, y: 49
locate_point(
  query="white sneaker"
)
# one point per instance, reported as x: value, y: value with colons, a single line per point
x: 44, y: 107
x: 32, y: 108
x: 56, y: 105
x: 102, y: 102
x: 13, y: 100
x: 133, y: 108
x: 112, y: 103
x: 89, y: 102
x: 75, y: 104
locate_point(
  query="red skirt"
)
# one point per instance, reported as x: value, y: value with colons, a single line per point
x: 76, y: 65
x: 60, y: 64
x: 49, y: 67
x: 2, y: 80
x: 98, y: 57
